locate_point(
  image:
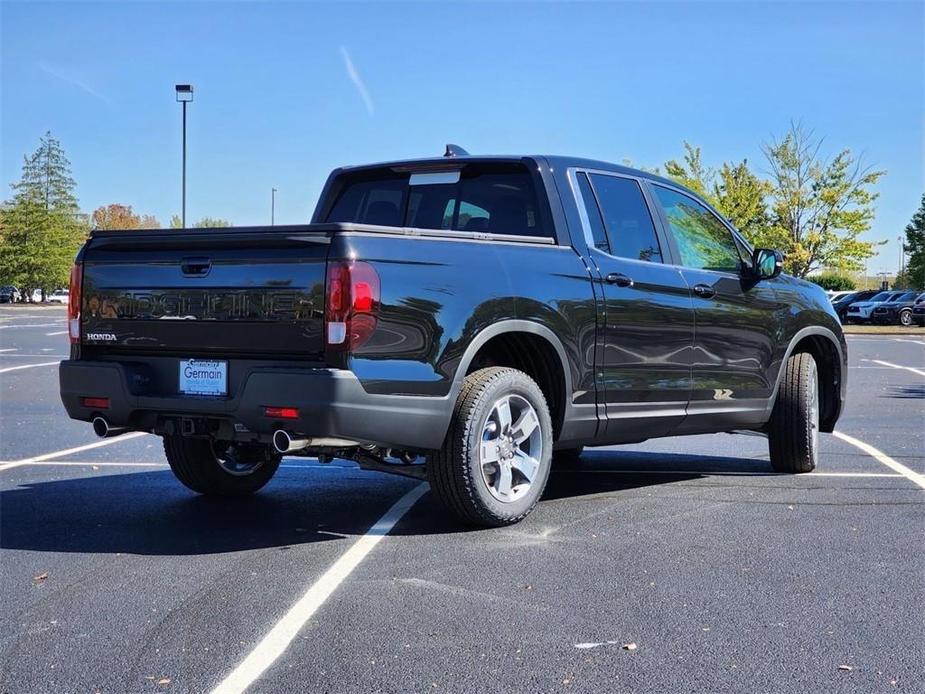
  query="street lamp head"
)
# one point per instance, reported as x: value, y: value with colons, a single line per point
x: 184, y: 92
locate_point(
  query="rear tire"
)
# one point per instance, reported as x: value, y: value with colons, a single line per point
x: 905, y: 317
x: 793, y: 430
x: 495, y: 460
x: 207, y: 468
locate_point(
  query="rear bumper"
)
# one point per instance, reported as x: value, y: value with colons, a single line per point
x: 331, y: 403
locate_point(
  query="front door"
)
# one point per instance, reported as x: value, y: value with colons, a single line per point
x: 736, y: 318
x: 645, y: 360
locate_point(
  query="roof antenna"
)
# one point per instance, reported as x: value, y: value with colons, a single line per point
x: 455, y: 151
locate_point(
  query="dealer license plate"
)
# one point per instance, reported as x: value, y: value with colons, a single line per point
x: 199, y: 377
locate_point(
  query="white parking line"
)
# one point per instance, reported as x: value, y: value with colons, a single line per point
x: 918, y: 372
x: 29, y: 366
x: 734, y: 473
x: 882, y: 457
x: 281, y: 635
x: 914, y: 342
x: 69, y: 451
x: 34, y: 325
x: 9, y: 349
x: 56, y: 332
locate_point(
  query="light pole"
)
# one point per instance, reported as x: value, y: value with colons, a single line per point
x: 902, y: 257
x: 184, y: 96
x: 272, y: 207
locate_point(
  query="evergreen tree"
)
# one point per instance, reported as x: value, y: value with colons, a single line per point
x: 915, y: 247
x: 41, y: 228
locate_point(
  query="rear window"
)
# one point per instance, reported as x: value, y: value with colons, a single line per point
x: 495, y: 199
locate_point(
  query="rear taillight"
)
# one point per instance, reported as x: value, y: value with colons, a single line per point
x: 73, y: 304
x: 351, y: 304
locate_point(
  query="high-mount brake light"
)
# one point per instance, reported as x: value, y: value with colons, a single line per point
x: 351, y: 304
x: 73, y: 304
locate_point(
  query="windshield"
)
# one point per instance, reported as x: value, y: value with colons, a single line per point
x: 882, y: 296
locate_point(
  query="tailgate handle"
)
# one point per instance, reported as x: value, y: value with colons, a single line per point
x: 198, y: 267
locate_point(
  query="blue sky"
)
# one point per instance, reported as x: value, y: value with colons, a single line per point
x: 287, y: 91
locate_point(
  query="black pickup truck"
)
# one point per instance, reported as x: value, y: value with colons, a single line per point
x: 463, y: 319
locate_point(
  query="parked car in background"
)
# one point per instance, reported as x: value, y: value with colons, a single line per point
x: 860, y: 311
x: 918, y: 310
x: 59, y: 296
x: 841, y: 305
x: 895, y: 311
x: 836, y: 296
x: 9, y: 294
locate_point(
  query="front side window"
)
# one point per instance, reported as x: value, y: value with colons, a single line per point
x: 703, y: 241
x: 630, y: 229
x: 488, y: 198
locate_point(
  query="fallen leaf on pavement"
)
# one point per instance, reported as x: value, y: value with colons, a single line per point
x: 846, y: 668
x: 163, y: 681
x: 41, y: 577
x: 629, y: 646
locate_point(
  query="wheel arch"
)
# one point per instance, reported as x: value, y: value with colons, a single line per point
x: 829, y: 353
x: 530, y: 347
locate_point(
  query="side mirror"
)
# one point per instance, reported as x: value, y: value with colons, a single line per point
x: 767, y: 263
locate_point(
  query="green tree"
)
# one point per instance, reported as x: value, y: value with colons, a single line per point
x: 734, y: 190
x: 691, y: 172
x: 41, y: 227
x: 832, y: 281
x: 819, y: 208
x: 915, y: 247
x: 211, y: 222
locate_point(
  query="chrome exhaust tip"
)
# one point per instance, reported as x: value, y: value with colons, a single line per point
x: 102, y: 429
x: 283, y: 442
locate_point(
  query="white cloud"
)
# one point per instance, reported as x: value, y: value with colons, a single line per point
x: 357, y: 81
x: 72, y: 79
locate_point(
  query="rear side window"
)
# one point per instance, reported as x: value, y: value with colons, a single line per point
x: 629, y: 225
x: 703, y: 241
x: 495, y: 199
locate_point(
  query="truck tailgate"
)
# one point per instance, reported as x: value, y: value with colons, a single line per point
x: 246, y: 292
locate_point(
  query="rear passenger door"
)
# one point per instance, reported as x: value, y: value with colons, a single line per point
x: 736, y: 318
x: 645, y: 365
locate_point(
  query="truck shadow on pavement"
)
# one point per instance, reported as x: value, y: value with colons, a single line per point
x: 149, y: 513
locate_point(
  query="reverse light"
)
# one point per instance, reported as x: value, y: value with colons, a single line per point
x: 352, y: 295
x: 73, y: 304
x: 281, y: 412
x: 95, y: 403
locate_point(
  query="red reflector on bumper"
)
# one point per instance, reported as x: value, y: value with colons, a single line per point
x: 282, y: 412
x: 96, y: 403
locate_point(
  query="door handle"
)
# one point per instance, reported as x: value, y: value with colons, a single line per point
x: 619, y: 279
x: 704, y: 291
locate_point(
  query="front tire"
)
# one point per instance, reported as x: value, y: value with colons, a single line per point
x: 793, y: 430
x: 905, y: 317
x: 214, y: 469
x: 495, y: 460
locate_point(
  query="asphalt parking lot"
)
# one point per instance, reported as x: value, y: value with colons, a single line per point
x: 681, y: 565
